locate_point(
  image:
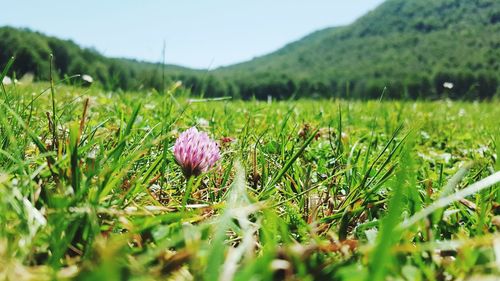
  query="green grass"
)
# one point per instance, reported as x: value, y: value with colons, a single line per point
x: 306, y: 190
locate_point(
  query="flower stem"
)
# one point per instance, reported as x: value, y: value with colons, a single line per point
x: 189, y: 188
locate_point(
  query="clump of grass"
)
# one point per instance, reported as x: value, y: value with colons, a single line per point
x: 304, y: 190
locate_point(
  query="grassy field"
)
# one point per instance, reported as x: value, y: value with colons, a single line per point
x: 304, y: 190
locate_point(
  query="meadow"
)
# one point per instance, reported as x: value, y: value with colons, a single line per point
x: 304, y: 189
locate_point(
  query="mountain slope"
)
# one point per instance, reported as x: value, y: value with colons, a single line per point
x: 32, y: 55
x: 410, y: 46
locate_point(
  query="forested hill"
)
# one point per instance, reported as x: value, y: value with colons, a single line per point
x: 409, y: 47
x: 32, y: 55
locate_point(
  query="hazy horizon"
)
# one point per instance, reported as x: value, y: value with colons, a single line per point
x: 196, y: 36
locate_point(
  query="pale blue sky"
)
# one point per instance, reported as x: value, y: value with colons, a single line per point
x: 199, y: 34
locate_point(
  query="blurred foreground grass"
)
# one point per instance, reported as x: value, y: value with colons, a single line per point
x: 305, y: 190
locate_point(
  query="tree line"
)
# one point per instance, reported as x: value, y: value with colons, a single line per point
x: 308, y: 78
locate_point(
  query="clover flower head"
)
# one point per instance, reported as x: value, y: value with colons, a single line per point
x: 195, y: 152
